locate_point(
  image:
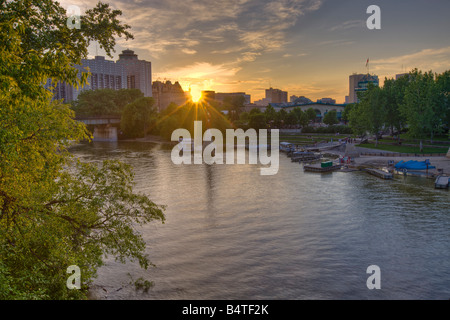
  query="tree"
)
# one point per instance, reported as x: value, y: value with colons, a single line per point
x: 443, y: 82
x: 372, y: 107
x: 138, y: 117
x: 104, y: 102
x: 423, y: 106
x: 311, y: 114
x: 346, y: 114
x: 270, y: 114
x: 394, y: 91
x: 291, y: 118
x: 257, y: 121
x: 358, y: 121
x: 234, y: 105
x: 54, y: 210
x: 302, y: 118
x: 331, y: 118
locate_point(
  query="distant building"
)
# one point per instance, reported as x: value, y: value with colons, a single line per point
x: 104, y: 74
x: 301, y: 100
x: 220, y: 96
x: 327, y: 100
x: 165, y: 93
x: 276, y: 95
x: 321, y: 109
x: 359, y: 83
x: 62, y: 91
x: 138, y: 72
x: 264, y: 102
x: 208, y: 95
x: 127, y: 73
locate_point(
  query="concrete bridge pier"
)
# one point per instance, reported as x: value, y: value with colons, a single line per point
x: 105, y: 133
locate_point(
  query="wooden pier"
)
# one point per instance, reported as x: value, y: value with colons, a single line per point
x: 380, y: 173
x: 305, y: 158
x: 319, y: 168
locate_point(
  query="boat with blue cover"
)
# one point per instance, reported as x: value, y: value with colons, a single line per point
x: 414, y: 165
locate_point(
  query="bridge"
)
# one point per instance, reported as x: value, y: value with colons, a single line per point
x: 104, y: 129
x: 321, y: 108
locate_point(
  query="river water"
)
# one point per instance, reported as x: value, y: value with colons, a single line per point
x: 232, y: 233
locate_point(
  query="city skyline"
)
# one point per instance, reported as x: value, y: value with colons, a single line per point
x: 305, y: 47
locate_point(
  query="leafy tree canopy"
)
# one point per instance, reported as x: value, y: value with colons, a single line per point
x: 56, y: 211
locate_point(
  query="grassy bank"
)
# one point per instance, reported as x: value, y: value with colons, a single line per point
x: 404, y: 149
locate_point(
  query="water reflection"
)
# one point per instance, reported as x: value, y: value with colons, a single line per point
x: 234, y: 234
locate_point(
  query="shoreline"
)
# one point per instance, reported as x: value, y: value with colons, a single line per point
x: 368, y: 159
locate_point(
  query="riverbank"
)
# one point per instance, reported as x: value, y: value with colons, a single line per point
x: 367, y: 159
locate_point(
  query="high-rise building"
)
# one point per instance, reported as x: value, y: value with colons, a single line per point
x: 105, y: 74
x: 276, y: 95
x: 62, y: 91
x: 138, y: 72
x: 165, y: 93
x: 127, y: 73
x: 359, y: 83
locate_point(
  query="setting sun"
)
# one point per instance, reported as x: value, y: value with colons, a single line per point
x: 196, y: 94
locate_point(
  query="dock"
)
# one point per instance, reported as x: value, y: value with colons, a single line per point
x: 305, y: 158
x: 319, y: 168
x: 442, y: 182
x: 380, y: 173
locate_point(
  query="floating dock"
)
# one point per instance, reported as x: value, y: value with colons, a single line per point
x: 380, y: 173
x: 305, y: 158
x: 319, y: 168
x: 442, y: 182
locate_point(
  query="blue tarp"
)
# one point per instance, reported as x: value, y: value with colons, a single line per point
x: 414, y: 165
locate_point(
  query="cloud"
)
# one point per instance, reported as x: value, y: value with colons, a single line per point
x: 349, y: 25
x: 246, y: 25
x: 188, y: 51
x: 435, y: 59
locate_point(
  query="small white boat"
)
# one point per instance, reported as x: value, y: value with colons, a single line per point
x: 442, y: 182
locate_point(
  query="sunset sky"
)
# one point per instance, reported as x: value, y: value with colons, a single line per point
x: 305, y: 47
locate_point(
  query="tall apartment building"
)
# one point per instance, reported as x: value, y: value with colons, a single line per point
x: 62, y: 91
x: 138, y: 72
x: 165, y: 93
x: 358, y: 83
x: 127, y: 73
x: 105, y: 74
x: 276, y: 95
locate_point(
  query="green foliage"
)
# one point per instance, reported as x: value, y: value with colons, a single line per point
x: 302, y: 118
x: 311, y: 114
x: 417, y: 103
x: 424, y: 105
x: 234, y: 105
x: 331, y: 118
x: 183, y: 117
x: 138, y: 117
x: 257, y: 121
x: 104, y: 102
x: 54, y: 211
